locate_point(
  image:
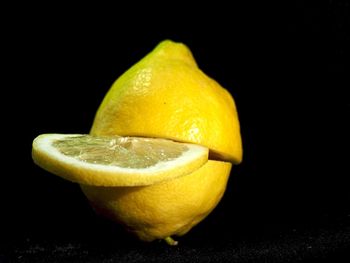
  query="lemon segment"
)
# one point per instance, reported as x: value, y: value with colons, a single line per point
x: 116, y: 160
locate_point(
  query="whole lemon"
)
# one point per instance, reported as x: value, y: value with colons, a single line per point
x: 166, y: 95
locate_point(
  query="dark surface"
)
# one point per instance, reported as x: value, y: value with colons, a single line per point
x: 288, y: 71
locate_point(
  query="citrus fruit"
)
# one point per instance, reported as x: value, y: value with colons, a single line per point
x: 115, y: 160
x: 164, y: 209
x: 166, y: 95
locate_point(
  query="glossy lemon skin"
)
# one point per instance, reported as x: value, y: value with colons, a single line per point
x: 168, y: 208
x: 166, y: 95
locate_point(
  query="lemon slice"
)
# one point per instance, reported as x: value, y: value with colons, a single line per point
x: 115, y: 160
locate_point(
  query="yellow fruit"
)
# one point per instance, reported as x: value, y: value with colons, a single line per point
x: 166, y: 95
x: 168, y: 208
x: 115, y: 160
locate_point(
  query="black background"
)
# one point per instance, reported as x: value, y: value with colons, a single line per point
x: 286, y: 67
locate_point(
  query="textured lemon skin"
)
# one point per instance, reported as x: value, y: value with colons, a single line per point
x: 166, y: 95
x: 168, y: 208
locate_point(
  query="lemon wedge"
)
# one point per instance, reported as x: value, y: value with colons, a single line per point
x: 116, y: 160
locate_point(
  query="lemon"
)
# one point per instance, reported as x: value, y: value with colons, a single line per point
x: 168, y: 208
x: 166, y: 95
x: 116, y: 161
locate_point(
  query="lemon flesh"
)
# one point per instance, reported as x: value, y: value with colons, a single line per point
x: 164, y: 209
x: 165, y: 95
x: 115, y: 160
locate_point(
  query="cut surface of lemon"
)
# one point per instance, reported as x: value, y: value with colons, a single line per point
x: 116, y: 160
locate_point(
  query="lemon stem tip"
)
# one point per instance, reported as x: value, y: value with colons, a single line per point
x: 171, y: 241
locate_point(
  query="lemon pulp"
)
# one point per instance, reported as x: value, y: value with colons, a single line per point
x: 120, y: 151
